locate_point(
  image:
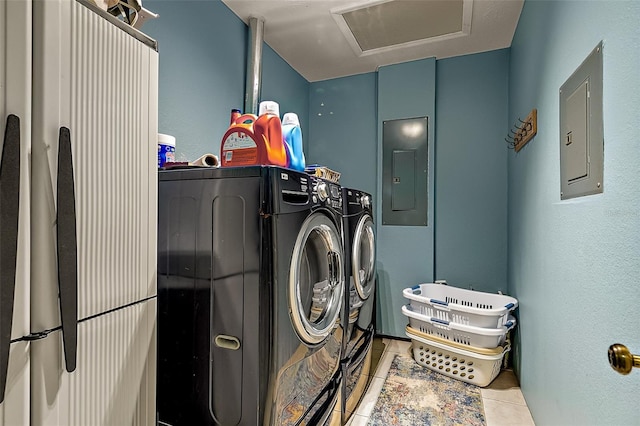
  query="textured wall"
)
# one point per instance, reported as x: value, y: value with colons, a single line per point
x: 203, y: 51
x: 469, y: 174
x: 405, y: 253
x: 342, y: 117
x: 283, y: 84
x: 575, y: 265
x: 471, y: 171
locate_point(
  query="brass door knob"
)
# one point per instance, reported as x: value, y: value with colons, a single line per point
x: 621, y: 359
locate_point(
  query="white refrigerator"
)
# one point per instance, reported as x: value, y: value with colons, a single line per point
x: 78, y: 214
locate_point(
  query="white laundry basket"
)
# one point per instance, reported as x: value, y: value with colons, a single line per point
x: 463, y: 334
x: 457, y: 305
x: 478, y: 368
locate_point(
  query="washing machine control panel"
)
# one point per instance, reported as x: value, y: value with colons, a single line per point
x: 365, y: 201
x: 335, y: 191
x: 327, y: 193
x: 358, y: 201
x: 322, y: 191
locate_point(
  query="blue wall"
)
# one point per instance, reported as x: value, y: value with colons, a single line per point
x: 344, y: 136
x: 203, y: 51
x: 343, y: 129
x: 575, y: 265
x: 467, y: 128
x: 471, y: 171
x: 283, y: 84
x: 405, y: 253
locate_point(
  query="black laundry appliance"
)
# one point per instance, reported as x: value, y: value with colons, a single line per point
x: 250, y: 292
x: 359, y: 306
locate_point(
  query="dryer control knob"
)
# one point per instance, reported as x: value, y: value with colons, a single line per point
x: 323, y: 191
x: 365, y: 201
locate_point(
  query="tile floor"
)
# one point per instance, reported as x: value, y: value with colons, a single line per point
x: 502, y: 399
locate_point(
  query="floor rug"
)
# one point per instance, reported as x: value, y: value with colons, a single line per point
x: 414, y: 395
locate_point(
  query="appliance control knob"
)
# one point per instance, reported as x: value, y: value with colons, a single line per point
x: 323, y: 191
x: 365, y: 201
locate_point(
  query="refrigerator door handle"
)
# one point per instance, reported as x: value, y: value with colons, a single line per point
x: 9, y: 211
x: 67, y: 248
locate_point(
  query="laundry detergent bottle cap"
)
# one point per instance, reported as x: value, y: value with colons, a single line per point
x: 235, y: 113
x: 290, y: 118
x: 292, y: 134
x: 268, y: 130
x: 269, y: 107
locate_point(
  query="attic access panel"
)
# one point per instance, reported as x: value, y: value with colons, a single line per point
x: 420, y: 20
x: 375, y: 26
x: 581, y: 130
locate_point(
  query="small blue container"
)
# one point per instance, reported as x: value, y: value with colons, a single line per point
x: 166, y: 149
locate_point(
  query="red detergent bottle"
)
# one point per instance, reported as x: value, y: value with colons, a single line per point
x: 252, y: 140
x: 239, y: 146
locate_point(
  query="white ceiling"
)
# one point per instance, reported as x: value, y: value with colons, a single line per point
x: 314, y: 38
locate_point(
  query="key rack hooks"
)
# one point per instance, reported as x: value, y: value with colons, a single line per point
x: 523, y: 131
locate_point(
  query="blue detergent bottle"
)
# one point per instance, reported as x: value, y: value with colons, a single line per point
x: 292, y: 135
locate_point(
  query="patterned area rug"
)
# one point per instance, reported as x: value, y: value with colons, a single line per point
x: 414, y: 395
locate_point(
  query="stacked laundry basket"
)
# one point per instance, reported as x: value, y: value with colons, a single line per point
x: 459, y: 333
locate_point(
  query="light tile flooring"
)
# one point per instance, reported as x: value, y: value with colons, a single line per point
x: 502, y: 399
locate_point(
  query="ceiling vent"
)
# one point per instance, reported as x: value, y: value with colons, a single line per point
x: 380, y: 26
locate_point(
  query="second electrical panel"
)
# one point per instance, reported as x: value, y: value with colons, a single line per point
x: 581, y: 129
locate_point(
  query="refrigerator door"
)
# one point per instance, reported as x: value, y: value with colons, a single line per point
x: 99, y: 82
x: 114, y: 383
x: 15, y: 132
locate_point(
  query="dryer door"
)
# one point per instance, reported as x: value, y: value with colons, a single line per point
x: 363, y: 258
x: 316, y: 280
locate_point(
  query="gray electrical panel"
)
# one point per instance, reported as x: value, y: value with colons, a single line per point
x: 581, y: 129
x: 404, y: 171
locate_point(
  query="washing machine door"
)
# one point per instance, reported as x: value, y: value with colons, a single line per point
x: 316, y: 279
x: 363, y: 257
